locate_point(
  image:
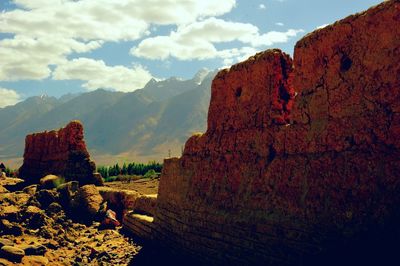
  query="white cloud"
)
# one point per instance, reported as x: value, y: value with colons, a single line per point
x: 25, y: 57
x: 193, y: 41
x: 280, y: 24
x: 196, y: 41
x: 107, y: 20
x: 8, y: 97
x: 231, y: 56
x: 46, y: 32
x: 274, y: 37
x: 98, y: 75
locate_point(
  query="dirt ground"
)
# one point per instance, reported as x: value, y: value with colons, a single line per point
x: 143, y: 186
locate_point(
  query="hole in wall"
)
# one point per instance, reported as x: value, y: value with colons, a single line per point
x: 238, y: 92
x: 272, y: 153
x: 345, y: 63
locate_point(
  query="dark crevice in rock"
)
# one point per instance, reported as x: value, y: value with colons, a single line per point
x: 272, y: 153
x: 284, y: 94
x: 345, y: 63
x: 284, y: 68
x: 238, y: 92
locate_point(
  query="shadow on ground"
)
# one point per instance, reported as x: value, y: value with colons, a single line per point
x: 151, y: 254
x: 378, y: 248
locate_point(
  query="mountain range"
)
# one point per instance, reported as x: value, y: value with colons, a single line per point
x: 148, y: 124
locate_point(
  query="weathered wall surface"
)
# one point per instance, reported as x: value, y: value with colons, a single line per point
x: 254, y: 189
x: 61, y: 152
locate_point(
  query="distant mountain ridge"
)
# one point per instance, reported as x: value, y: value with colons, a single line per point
x: 150, y: 123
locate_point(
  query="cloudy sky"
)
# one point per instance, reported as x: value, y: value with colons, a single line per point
x: 56, y: 47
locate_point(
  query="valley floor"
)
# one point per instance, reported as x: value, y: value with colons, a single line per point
x: 143, y: 186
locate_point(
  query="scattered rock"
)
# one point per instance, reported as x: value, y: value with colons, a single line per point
x: 35, y: 250
x: 52, y: 244
x: 78, y: 226
x: 10, y: 212
x: 12, y: 184
x: 21, y: 198
x: 9, y: 228
x: 5, y: 242
x: 11, y: 253
x: 50, y: 181
x: 31, y: 190
x: 4, y: 262
x: 32, y: 210
x: 45, y: 197
x: 54, y: 208
x: 47, y: 232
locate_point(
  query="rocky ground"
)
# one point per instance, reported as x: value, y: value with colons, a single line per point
x: 40, y: 225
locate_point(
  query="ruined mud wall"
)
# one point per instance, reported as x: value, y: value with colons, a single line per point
x: 293, y: 159
x: 61, y: 152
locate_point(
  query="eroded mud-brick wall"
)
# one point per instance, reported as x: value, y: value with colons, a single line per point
x: 61, y: 152
x: 293, y: 158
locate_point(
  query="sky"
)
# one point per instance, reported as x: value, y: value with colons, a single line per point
x: 56, y: 47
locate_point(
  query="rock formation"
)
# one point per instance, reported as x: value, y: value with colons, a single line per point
x: 61, y: 153
x: 295, y: 159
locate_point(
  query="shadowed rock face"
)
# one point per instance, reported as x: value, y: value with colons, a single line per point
x: 61, y: 152
x: 252, y: 189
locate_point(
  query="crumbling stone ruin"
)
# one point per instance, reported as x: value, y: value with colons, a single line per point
x: 61, y: 153
x: 299, y: 158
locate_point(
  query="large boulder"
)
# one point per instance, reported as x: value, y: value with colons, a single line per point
x: 50, y: 181
x: 87, y: 201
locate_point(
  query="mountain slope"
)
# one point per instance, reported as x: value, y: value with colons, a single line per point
x: 150, y: 121
x: 17, y: 120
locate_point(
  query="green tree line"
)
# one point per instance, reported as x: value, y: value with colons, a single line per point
x: 129, y: 169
